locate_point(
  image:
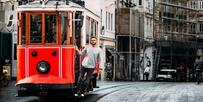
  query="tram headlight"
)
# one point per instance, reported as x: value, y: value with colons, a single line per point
x: 43, y: 67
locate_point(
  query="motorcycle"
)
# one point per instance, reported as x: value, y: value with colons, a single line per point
x: 4, y: 80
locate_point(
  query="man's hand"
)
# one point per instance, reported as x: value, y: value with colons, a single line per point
x: 76, y: 48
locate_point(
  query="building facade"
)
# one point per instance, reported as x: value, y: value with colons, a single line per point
x: 8, y: 36
x: 129, y: 34
x: 177, y: 36
x: 146, y: 57
x: 106, y: 11
x: 107, y: 36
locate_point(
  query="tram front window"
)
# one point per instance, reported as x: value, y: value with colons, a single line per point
x: 50, y: 28
x: 36, y: 29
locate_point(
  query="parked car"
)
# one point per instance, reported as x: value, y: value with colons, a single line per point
x: 166, y: 75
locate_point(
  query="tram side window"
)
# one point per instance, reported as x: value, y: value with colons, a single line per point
x: 23, y: 29
x: 36, y: 29
x: 63, y: 29
x: 50, y: 28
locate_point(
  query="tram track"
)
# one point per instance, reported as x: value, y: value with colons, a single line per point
x: 93, y: 96
x: 108, y: 90
x: 100, y: 93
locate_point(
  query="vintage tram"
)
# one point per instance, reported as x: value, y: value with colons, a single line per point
x: 46, y: 47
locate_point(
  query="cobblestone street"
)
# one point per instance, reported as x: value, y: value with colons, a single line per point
x: 8, y: 94
x: 157, y: 92
x: 126, y: 92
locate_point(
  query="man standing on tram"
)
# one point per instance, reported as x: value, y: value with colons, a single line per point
x: 92, y: 54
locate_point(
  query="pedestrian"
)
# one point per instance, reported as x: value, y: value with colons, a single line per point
x: 198, y: 65
x: 108, y: 70
x: 182, y: 73
x: 146, y: 72
x: 92, y: 54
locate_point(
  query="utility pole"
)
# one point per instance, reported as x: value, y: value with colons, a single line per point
x: 130, y: 48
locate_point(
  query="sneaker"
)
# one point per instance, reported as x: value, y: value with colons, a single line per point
x: 91, y: 89
x: 96, y: 87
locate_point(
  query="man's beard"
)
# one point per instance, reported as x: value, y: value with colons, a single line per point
x: 93, y: 43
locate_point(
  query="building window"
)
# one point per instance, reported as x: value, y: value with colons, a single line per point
x: 13, y: 7
x: 92, y: 28
x: 201, y: 27
x: 150, y: 24
x: 1, y: 6
x: 96, y: 29
x: 202, y: 4
x: 106, y: 19
x: 193, y: 28
x: 194, y: 5
x: 87, y: 29
x: 140, y: 2
x: 111, y: 21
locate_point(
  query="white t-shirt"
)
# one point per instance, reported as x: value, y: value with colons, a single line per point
x: 92, y: 54
x: 147, y: 70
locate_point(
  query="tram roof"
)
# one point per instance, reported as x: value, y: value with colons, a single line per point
x: 50, y: 6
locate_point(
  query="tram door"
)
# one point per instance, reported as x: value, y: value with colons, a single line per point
x: 14, y: 54
x: 78, y: 26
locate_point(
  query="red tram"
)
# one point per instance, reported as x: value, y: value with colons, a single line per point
x: 45, y: 51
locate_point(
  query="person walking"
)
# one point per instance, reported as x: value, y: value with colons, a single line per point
x: 198, y: 65
x: 146, y: 72
x: 92, y: 54
x: 108, y: 71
